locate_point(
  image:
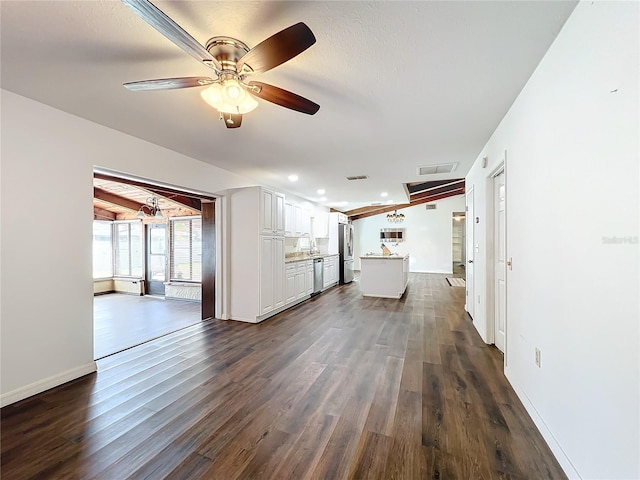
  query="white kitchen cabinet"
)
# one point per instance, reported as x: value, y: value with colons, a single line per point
x: 384, y: 276
x: 297, y: 220
x: 256, y: 267
x: 272, y: 295
x: 321, y: 225
x: 289, y: 219
x: 330, y: 272
x: 272, y: 212
x: 290, y: 283
x: 305, y: 222
x: 301, y: 274
x: 298, y: 282
x: 335, y: 219
x: 309, y: 277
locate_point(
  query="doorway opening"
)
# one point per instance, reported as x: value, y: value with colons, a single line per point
x: 154, y: 261
x: 458, y: 246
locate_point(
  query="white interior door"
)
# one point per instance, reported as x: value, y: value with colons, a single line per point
x: 470, y: 250
x: 500, y: 256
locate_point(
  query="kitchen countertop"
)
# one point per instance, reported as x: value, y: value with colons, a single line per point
x: 393, y: 256
x: 304, y: 257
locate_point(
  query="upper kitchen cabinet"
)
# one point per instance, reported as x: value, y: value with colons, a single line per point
x: 321, y: 225
x: 297, y: 220
x: 272, y: 212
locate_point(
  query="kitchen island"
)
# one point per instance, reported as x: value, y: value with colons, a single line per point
x: 384, y: 276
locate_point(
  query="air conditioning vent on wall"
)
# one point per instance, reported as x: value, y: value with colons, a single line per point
x: 358, y: 177
x: 430, y: 206
x: 435, y: 169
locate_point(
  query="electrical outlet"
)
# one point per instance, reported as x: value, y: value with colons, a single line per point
x: 538, y: 357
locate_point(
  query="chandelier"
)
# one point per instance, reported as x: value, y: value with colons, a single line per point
x: 395, y: 217
x: 152, y: 207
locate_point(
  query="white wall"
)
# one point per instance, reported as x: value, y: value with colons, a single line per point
x: 428, y: 235
x: 47, y: 165
x: 572, y: 142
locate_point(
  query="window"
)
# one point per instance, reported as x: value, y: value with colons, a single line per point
x: 102, y: 250
x: 128, y: 249
x: 186, y: 249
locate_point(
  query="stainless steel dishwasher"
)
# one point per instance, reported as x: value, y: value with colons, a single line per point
x: 318, y: 266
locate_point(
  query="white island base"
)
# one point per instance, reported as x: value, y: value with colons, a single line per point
x: 384, y: 276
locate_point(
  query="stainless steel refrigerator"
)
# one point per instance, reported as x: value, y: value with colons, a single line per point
x: 345, y: 249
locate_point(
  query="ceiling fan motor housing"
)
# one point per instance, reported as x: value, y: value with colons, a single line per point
x: 227, y: 51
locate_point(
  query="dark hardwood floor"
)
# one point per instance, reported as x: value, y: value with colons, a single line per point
x: 339, y: 387
x: 123, y: 321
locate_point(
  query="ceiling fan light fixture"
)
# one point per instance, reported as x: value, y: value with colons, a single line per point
x: 229, y: 97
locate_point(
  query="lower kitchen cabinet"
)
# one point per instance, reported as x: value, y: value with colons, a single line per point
x: 290, y: 283
x: 309, y: 277
x: 301, y: 288
x: 331, y: 274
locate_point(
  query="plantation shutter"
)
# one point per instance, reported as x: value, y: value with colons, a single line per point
x: 186, y: 249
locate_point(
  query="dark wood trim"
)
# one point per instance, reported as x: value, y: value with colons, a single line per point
x: 208, y: 260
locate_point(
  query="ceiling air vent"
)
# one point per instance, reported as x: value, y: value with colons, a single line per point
x: 430, y: 206
x: 435, y: 169
x: 358, y: 177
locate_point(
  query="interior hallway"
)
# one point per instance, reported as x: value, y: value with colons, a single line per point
x: 338, y: 387
x: 122, y: 321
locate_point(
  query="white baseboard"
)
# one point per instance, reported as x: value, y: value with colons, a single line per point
x: 46, y: 383
x: 555, y: 447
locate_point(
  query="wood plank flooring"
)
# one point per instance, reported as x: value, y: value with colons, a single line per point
x: 123, y: 321
x: 340, y: 387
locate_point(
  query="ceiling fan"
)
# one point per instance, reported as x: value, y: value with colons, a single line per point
x: 231, y: 62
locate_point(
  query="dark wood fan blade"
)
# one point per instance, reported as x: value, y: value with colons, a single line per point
x: 174, y: 32
x: 232, y: 120
x: 283, y: 98
x: 278, y: 48
x: 168, y: 83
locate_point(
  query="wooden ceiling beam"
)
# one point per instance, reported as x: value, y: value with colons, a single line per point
x: 391, y: 208
x: 117, y: 200
x: 437, y: 190
x: 102, y: 214
x: 380, y: 211
x: 367, y: 209
x: 414, y: 188
x: 188, y: 202
x: 149, y: 186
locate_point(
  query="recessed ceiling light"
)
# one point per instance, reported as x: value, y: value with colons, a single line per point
x: 293, y: 178
x: 384, y: 194
x: 321, y: 191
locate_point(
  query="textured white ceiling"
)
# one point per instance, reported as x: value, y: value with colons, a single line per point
x: 400, y: 84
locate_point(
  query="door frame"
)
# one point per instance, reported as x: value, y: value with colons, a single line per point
x: 470, y: 232
x: 501, y: 167
x: 147, y: 227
